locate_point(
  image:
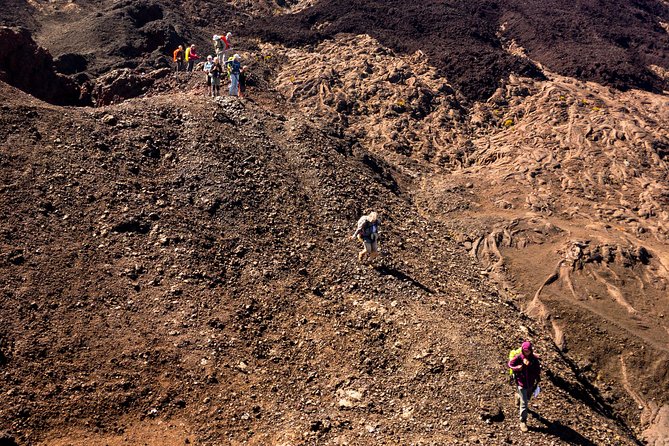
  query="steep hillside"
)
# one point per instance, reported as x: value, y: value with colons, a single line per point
x: 614, y: 43
x: 177, y: 269
x: 183, y: 266
x: 556, y: 186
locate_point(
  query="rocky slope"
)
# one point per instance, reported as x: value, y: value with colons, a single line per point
x: 31, y: 68
x: 177, y: 269
x: 548, y: 183
x: 191, y: 262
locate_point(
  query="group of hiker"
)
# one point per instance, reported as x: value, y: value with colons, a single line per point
x: 215, y: 67
x: 185, y: 60
x: 524, y: 365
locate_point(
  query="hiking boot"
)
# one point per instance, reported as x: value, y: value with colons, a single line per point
x: 523, y: 426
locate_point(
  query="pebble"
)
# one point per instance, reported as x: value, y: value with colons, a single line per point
x: 109, y: 119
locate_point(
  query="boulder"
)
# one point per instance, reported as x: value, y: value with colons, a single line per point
x: 121, y: 84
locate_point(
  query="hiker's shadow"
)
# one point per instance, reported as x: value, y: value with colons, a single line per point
x: 390, y: 271
x: 582, y: 392
x: 560, y: 431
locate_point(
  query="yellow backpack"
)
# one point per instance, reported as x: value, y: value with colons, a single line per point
x: 512, y: 354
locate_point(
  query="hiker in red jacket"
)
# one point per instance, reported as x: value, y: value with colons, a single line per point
x: 191, y: 57
x: 221, y: 45
x: 526, y: 373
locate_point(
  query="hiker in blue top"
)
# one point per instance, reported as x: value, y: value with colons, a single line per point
x: 368, y: 233
x: 234, y: 66
x: 207, y: 68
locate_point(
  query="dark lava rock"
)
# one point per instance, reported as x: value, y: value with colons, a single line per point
x: 70, y: 63
x: 29, y: 67
x: 122, y: 84
x: 6, y: 439
x: 604, y: 41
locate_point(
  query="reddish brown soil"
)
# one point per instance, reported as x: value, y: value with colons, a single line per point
x: 180, y: 261
x: 178, y: 270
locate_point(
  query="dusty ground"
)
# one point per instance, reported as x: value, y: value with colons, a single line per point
x: 178, y: 270
x: 549, y: 184
x: 206, y: 284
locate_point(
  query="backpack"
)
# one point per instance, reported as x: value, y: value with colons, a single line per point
x: 369, y: 229
x: 512, y: 354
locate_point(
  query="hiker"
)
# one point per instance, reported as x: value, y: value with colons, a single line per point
x: 221, y: 45
x: 526, y: 369
x: 242, y: 81
x: 191, y: 57
x: 234, y: 66
x: 179, y: 58
x: 207, y: 68
x: 215, y: 73
x: 368, y: 233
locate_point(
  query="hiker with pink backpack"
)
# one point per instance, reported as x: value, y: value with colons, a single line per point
x: 526, y: 370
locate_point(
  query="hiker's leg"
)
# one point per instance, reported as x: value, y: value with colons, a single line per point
x: 366, y: 249
x: 234, y: 84
x: 524, y: 400
x: 374, y: 250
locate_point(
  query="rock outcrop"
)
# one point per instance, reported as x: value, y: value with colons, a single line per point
x: 29, y: 67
